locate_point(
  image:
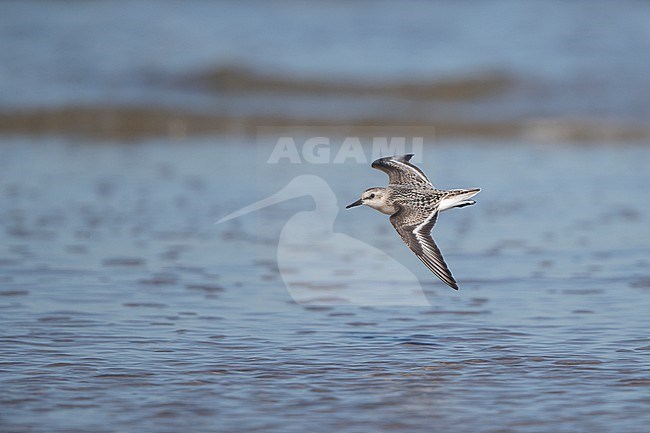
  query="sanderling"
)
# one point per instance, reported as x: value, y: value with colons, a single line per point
x: 413, y: 204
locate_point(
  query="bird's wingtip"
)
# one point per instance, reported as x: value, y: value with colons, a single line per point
x: 402, y: 158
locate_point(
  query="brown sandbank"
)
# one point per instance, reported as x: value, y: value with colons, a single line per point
x: 238, y: 80
x: 140, y: 122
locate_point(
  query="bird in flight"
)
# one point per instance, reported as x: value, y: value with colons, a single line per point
x: 413, y: 204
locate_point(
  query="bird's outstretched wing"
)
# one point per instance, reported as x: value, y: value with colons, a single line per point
x: 416, y: 234
x: 401, y: 172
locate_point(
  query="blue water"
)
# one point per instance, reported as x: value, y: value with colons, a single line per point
x: 125, y: 308
x: 567, y: 58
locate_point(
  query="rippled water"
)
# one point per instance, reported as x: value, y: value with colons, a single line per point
x: 124, y: 308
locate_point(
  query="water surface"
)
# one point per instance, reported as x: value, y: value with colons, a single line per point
x: 124, y: 308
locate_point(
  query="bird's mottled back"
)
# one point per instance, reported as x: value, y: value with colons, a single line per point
x: 417, y: 202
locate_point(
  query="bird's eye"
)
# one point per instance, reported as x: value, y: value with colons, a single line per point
x: 371, y: 196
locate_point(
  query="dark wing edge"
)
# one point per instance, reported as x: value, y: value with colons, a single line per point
x: 400, y: 170
x: 419, y: 240
x: 436, y: 263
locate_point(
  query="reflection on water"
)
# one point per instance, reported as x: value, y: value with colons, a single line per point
x: 123, y: 307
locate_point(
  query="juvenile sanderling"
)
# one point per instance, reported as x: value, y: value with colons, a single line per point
x: 413, y: 204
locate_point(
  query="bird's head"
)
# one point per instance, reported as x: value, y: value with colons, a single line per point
x: 372, y: 197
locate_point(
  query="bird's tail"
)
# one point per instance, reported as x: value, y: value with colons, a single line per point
x: 458, y: 198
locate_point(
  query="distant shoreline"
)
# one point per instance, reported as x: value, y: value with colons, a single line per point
x: 131, y: 122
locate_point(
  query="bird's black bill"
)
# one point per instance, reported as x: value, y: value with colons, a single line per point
x: 356, y: 203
